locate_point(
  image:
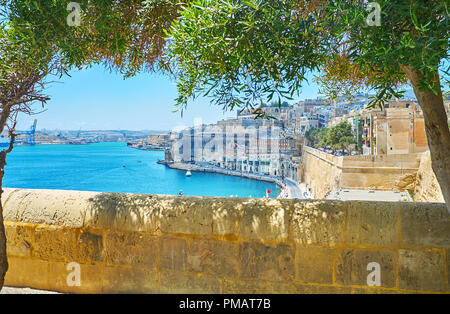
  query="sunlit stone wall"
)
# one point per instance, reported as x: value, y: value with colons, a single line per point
x: 90, y: 242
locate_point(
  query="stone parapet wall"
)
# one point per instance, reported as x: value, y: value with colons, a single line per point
x: 169, y: 244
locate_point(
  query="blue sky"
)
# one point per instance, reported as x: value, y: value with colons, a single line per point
x: 97, y: 99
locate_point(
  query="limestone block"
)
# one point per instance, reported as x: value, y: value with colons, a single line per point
x: 19, y: 239
x: 173, y: 253
x: 51, y: 207
x: 200, y: 216
x: 266, y: 262
x: 265, y: 219
x: 323, y: 289
x: 425, y: 224
x: 90, y: 248
x: 27, y: 272
x: 132, y: 248
x: 448, y: 269
x: 352, y: 264
x: 130, y: 280
x: 421, y: 270
x: 372, y: 223
x: 178, y: 282
x: 318, y: 222
x: 64, y: 279
x: 125, y: 212
x: 55, y: 243
x: 209, y: 256
x: 255, y: 287
x: 314, y: 264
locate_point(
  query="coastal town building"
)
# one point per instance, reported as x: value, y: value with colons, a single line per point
x: 245, y: 145
x: 397, y: 129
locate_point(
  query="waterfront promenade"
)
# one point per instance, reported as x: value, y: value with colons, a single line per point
x: 289, y: 189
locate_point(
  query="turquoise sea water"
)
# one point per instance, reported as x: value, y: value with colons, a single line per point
x: 114, y: 167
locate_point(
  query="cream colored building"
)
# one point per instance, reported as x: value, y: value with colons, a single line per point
x: 397, y: 129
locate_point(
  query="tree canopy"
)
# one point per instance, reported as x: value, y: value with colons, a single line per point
x: 243, y: 52
x: 128, y: 36
x: 338, y: 137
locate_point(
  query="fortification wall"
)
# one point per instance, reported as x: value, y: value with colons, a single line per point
x: 324, y: 172
x: 169, y: 244
x: 321, y: 172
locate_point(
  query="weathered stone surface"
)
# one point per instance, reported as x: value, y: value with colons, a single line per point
x: 372, y: 223
x: 448, y: 269
x: 26, y: 272
x: 266, y: 262
x: 132, y: 248
x: 125, y: 246
x: 197, y: 215
x: 173, y: 253
x: 322, y: 289
x: 255, y: 287
x: 51, y: 207
x: 225, y: 216
x: 55, y: 243
x: 90, y: 278
x: 420, y: 270
x: 425, y: 224
x: 265, y: 219
x: 188, y: 216
x: 314, y: 264
x: 213, y: 257
x: 177, y: 282
x: 125, y: 212
x: 318, y: 222
x: 376, y: 290
x: 351, y: 267
x: 19, y: 239
x: 130, y: 280
x: 90, y: 248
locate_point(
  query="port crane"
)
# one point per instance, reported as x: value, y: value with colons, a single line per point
x: 30, y: 138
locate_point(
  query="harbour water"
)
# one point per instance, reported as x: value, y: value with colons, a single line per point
x: 114, y: 167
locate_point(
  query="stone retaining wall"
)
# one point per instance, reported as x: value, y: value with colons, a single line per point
x: 324, y: 172
x: 169, y: 244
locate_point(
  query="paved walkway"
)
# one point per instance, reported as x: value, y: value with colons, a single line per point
x: 13, y: 290
x: 294, y: 190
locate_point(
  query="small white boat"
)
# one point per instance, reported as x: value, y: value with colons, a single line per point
x: 188, y: 173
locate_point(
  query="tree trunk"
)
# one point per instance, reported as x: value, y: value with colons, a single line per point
x: 3, y: 257
x: 436, y: 126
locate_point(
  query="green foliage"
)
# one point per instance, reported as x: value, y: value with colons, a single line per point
x: 245, y: 52
x: 317, y: 137
x: 339, y: 137
x: 413, y: 34
x: 123, y: 35
x: 279, y: 104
